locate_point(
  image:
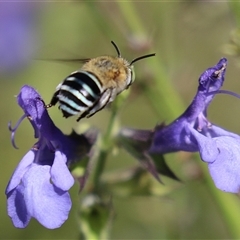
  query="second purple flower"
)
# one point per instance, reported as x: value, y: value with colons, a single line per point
x: 192, y: 132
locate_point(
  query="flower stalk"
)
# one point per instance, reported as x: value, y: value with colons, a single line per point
x: 104, y: 149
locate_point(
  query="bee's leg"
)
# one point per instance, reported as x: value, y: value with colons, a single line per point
x: 54, y: 100
x: 99, y: 105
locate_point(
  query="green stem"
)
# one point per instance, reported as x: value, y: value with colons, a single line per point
x: 235, y: 8
x: 130, y: 16
x: 105, y: 145
x: 162, y: 87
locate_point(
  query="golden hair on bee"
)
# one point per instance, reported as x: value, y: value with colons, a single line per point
x: 98, y: 82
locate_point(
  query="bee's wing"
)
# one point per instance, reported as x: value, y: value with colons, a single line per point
x: 67, y: 60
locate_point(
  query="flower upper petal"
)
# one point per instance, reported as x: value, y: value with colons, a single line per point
x: 60, y: 175
x: 30, y: 101
x: 225, y: 170
x: 22, y: 167
x: 45, y: 202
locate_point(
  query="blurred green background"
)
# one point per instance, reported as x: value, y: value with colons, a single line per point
x: 188, y: 37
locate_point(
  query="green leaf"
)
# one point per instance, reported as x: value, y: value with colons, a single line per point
x: 134, y: 182
x: 137, y: 143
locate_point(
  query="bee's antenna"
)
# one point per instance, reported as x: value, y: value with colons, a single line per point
x: 116, y: 47
x: 139, y: 58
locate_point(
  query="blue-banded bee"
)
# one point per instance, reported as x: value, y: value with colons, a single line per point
x: 97, y: 83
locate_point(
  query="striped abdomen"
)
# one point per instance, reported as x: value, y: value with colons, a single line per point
x: 78, y: 94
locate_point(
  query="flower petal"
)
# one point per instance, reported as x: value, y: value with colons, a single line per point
x: 45, y: 202
x: 60, y: 174
x: 216, y: 131
x: 225, y: 170
x: 16, y: 207
x: 22, y: 167
x: 208, y: 149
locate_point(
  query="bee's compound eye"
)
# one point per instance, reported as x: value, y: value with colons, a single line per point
x: 132, y: 75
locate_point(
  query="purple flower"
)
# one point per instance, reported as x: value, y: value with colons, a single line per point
x: 193, y: 132
x: 39, y: 185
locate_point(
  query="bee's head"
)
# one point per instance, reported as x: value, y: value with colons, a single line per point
x: 131, y: 75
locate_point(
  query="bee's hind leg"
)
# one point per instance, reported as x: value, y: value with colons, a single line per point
x: 104, y: 99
